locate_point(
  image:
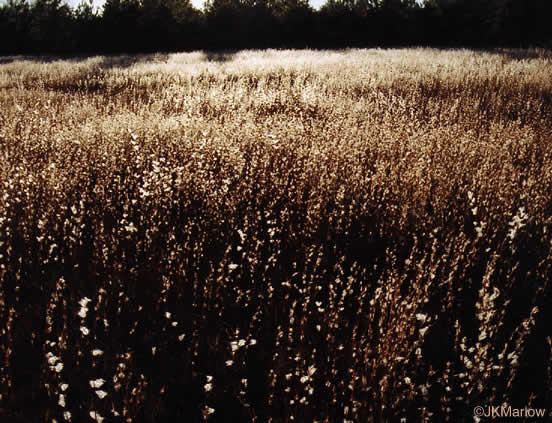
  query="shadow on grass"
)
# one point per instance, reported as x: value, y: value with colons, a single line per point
x: 219, y: 56
x: 518, y: 54
x: 118, y: 60
x: 104, y: 62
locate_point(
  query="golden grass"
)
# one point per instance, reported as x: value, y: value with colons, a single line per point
x: 359, y: 235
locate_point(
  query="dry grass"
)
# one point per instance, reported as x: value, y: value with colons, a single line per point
x: 353, y: 236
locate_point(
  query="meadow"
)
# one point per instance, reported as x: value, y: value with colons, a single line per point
x: 275, y: 236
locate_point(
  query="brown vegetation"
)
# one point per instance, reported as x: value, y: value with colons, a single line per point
x: 279, y: 236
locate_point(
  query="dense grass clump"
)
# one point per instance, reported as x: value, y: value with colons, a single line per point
x: 356, y: 236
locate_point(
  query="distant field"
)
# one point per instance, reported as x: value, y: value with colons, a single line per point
x: 276, y: 236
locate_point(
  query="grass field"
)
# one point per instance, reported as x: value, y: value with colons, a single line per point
x: 276, y: 236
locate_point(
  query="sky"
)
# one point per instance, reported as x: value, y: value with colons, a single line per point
x: 197, y: 3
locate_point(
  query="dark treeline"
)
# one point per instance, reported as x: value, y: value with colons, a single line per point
x: 52, y: 27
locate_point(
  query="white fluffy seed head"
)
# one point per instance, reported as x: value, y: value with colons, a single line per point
x: 101, y: 394
x: 94, y: 415
x: 96, y: 384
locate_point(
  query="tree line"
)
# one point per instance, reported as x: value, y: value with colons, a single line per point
x: 52, y: 27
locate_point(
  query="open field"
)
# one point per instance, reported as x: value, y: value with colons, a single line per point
x: 347, y: 236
